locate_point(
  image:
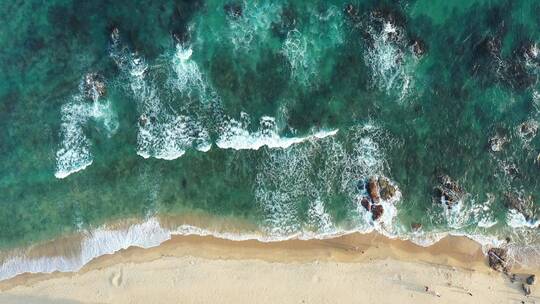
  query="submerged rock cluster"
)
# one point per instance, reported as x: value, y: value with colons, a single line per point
x: 448, y: 192
x: 521, y: 204
x: 94, y: 86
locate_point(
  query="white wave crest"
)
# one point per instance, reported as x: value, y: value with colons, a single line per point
x: 389, y: 60
x: 75, y: 153
x: 163, y: 133
x: 95, y: 243
x: 235, y: 135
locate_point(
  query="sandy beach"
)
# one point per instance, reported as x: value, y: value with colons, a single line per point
x: 349, y: 269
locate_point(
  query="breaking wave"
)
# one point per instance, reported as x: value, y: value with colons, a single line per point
x: 150, y: 233
x: 235, y: 135
x: 75, y: 153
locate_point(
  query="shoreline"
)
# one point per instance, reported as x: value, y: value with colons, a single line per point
x: 455, y: 256
x: 76, y: 251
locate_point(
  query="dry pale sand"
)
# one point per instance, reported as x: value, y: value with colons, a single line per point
x: 350, y: 269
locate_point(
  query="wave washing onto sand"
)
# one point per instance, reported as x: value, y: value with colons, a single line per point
x: 151, y: 233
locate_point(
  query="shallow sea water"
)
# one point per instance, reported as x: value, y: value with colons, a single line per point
x: 269, y: 112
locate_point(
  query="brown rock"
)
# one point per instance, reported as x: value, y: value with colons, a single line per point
x: 387, y: 190
x: 376, y: 211
x: 448, y: 192
x: 418, y: 47
x: 523, y: 205
x: 373, y: 189
x: 416, y: 226
x: 497, y: 258
x: 366, y: 203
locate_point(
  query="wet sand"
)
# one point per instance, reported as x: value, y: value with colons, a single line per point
x: 353, y: 268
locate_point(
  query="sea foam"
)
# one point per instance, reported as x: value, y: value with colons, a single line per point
x: 235, y: 135
x: 150, y: 233
x: 75, y: 153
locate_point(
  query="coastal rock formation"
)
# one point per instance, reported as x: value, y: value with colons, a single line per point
x: 373, y: 189
x: 418, y: 47
x: 377, y: 189
x: 94, y: 86
x: 233, y: 10
x: 526, y: 289
x: 531, y: 279
x: 416, y: 226
x: 497, y: 258
x: 497, y: 142
x: 523, y: 205
x: 448, y: 192
x: 386, y: 189
x: 377, y: 211
x: 143, y: 120
x: 366, y: 203
x: 528, y: 129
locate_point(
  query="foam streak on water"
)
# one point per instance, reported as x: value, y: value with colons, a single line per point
x: 75, y: 153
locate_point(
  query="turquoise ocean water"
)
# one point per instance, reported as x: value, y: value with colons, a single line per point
x: 275, y: 113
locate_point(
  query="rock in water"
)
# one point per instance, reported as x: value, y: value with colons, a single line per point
x: 416, y: 226
x: 387, y: 190
x: 373, y: 189
x: 234, y: 10
x: 523, y: 205
x: 528, y: 129
x: 497, y: 142
x: 94, y: 86
x: 366, y: 203
x: 526, y: 289
x: 377, y: 211
x: 418, y: 47
x: 497, y: 258
x: 531, y: 279
x: 448, y: 192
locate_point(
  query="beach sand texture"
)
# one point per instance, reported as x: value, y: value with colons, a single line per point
x: 348, y: 269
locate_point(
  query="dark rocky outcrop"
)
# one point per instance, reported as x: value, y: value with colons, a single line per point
x: 418, y: 47
x: 234, y: 10
x: 373, y: 190
x: 531, y: 279
x: 497, y: 258
x: 523, y: 205
x: 366, y: 203
x: 448, y: 192
x: 94, y: 86
x: 143, y: 120
x: 528, y: 129
x: 526, y: 289
x: 386, y: 189
x: 416, y: 226
x: 497, y: 142
x: 378, y: 189
x: 376, y: 211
